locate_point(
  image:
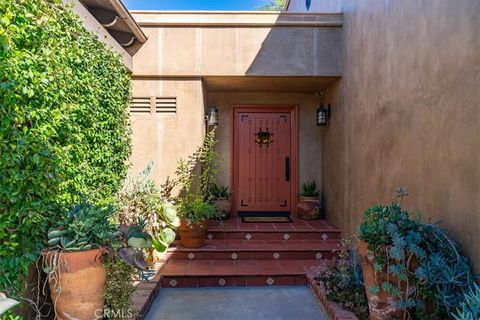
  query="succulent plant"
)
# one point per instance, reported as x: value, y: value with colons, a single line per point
x: 309, y: 189
x: 217, y: 191
x: 84, y: 227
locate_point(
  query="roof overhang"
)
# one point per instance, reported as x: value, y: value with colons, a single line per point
x: 116, y: 19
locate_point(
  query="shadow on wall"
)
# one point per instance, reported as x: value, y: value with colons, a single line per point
x: 300, y: 45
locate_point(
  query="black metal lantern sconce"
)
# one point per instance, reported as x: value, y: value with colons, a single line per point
x: 211, y: 117
x: 323, y: 115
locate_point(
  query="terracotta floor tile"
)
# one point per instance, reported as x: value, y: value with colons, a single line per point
x: 291, y: 267
x: 283, y: 227
x: 254, y: 244
x: 199, y: 268
x: 223, y: 267
x: 265, y: 227
x: 245, y: 267
x: 268, y: 267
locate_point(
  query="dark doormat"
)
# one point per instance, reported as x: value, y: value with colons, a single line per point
x: 276, y: 219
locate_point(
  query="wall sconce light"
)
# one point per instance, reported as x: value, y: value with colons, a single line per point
x: 323, y: 115
x: 212, y: 116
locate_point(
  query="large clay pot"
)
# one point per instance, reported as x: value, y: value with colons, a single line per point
x: 77, y: 283
x: 224, y: 207
x: 193, y: 235
x: 308, y: 208
x: 382, y: 306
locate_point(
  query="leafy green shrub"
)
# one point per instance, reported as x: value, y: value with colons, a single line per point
x: 196, y: 177
x: 309, y: 189
x: 63, y: 125
x: 195, y: 209
x: 342, y: 282
x: 83, y: 228
x: 140, y: 203
x: 118, y: 289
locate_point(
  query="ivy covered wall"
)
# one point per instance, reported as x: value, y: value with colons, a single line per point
x: 64, y: 129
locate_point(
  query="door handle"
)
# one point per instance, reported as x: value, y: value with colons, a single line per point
x: 287, y: 168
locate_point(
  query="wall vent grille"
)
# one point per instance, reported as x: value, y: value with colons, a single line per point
x: 153, y: 105
x: 166, y: 105
x: 140, y: 106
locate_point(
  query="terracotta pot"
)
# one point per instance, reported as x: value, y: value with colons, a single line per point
x: 193, y: 235
x: 382, y: 306
x: 224, y: 207
x: 308, y: 208
x: 77, y: 283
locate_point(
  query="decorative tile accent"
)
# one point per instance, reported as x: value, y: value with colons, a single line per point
x: 222, y: 282
x: 286, y: 236
x: 270, y: 281
x: 191, y: 255
x: 318, y: 256
x: 173, y: 283
x: 210, y: 236
x: 276, y: 255
x: 248, y: 236
x: 324, y: 236
x: 234, y: 256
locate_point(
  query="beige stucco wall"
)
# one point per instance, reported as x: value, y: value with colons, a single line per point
x: 165, y: 138
x: 308, y: 149
x: 407, y: 112
x: 209, y: 44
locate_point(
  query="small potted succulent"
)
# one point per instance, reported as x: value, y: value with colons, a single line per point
x: 73, y: 262
x: 194, y: 214
x: 308, y: 206
x: 221, y: 201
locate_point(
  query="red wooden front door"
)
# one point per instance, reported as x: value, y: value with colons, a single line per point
x: 263, y: 162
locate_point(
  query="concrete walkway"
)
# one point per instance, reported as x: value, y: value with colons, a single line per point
x: 252, y: 303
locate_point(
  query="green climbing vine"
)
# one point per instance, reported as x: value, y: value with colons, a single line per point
x: 64, y: 131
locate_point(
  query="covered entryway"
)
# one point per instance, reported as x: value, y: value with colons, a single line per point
x: 264, y: 159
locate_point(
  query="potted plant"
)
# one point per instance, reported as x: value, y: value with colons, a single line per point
x: 73, y: 262
x: 195, y: 213
x: 221, y: 202
x: 196, y: 177
x: 308, y: 206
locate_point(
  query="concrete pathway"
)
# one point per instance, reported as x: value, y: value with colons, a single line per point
x: 252, y: 303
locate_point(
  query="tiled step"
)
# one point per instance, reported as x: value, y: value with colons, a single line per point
x: 200, y: 273
x: 256, y: 250
x: 232, y: 281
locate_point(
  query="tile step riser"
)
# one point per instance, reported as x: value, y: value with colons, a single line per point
x: 231, y: 281
x: 253, y: 255
x: 258, y: 235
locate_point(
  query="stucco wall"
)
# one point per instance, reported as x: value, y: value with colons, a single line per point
x: 165, y: 138
x: 407, y: 112
x: 308, y: 149
x: 208, y: 44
